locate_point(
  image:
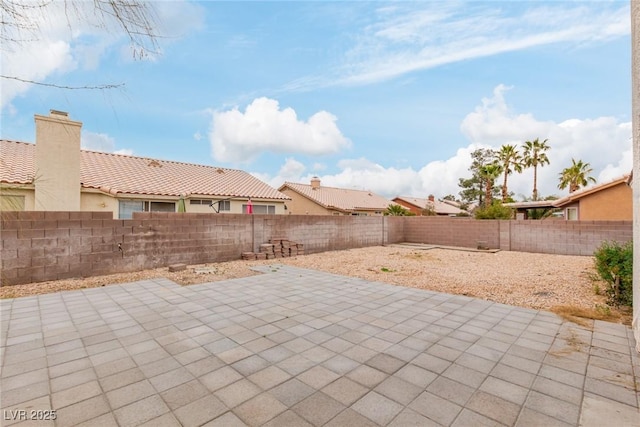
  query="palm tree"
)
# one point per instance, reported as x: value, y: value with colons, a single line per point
x: 489, y: 173
x: 575, y: 176
x: 534, y: 156
x: 396, y: 210
x: 510, y: 160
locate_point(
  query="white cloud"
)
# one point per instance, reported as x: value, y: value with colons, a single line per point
x: 71, y: 35
x: 242, y: 136
x: 101, y: 142
x: 416, y: 36
x: 602, y: 142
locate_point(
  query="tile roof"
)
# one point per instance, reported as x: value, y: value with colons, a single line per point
x: 578, y: 194
x: 440, y: 207
x: 340, y: 198
x: 572, y: 197
x: 120, y: 174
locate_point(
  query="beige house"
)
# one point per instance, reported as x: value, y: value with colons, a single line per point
x: 56, y: 175
x: 608, y: 201
x: 314, y: 199
x: 438, y: 207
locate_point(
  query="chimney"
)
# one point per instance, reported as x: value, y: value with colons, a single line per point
x: 57, y: 180
x: 431, y: 198
x: 315, y: 183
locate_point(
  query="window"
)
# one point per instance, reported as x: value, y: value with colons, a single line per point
x: 126, y: 208
x: 159, y: 207
x: 200, y: 202
x: 261, y: 209
x: 224, y: 205
x: 572, y: 214
x: 11, y: 203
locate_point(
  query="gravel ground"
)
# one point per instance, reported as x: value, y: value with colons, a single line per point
x: 539, y: 281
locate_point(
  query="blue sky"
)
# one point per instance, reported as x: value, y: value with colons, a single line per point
x: 385, y: 96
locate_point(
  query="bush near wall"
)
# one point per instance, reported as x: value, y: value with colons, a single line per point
x: 614, y: 263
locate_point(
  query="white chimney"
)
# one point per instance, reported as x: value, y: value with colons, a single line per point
x: 57, y: 180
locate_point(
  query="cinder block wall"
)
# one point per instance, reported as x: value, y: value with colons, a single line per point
x: 446, y: 231
x: 40, y: 246
x: 564, y: 237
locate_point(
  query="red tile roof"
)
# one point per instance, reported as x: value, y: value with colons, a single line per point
x: 440, y: 207
x: 340, y: 198
x: 115, y: 174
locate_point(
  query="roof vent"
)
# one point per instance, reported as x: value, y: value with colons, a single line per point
x: 220, y: 170
x: 155, y: 164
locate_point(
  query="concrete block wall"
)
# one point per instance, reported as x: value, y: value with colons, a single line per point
x: 564, y: 237
x: 446, y: 231
x: 321, y: 233
x: 40, y: 246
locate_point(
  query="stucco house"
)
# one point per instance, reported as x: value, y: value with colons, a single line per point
x: 55, y: 174
x: 608, y: 201
x: 315, y: 199
x: 417, y: 205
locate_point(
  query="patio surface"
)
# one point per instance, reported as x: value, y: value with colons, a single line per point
x: 296, y: 347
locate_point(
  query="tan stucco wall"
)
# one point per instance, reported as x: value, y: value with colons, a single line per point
x: 300, y: 205
x: 57, y: 179
x: 27, y: 193
x: 611, y: 204
x: 98, y: 202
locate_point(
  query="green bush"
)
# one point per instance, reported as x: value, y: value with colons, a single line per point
x: 614, y: 264
x: 495, y: 211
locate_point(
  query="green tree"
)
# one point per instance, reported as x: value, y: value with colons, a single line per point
x: 535, y: 156
x: 473, y: 189
x: 575, y: 176
x: 397, y: 210
x: 510, y: 160
x: 494, y: 211
x: 489, y: 173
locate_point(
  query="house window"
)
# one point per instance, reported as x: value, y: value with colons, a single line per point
x: 261, y: 209
x: 11, y: 203
x: 126, y: 208
x: 200, y: 202
x: 224, y: 205
x: 572, y: 214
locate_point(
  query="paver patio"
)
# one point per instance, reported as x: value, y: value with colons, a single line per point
x: 296, y: 347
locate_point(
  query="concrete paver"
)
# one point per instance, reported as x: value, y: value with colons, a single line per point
x: 306, y: 348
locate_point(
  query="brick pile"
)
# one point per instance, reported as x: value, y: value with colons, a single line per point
x: 276, y: 248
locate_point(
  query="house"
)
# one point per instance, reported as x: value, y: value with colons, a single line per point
x: 608, y: 201
x: 54, y: 174
x: 438, y: 207
x: 314, y: 199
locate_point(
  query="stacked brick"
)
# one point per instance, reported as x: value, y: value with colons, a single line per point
x: 276, y: 248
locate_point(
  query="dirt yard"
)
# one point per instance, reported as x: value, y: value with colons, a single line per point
x: 539, y: 281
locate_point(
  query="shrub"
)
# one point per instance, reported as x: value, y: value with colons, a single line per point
x: 614, y: 264
x: 495, y: 211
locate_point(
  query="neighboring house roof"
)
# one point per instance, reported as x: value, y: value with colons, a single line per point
x: 440, y: 207
x: 577, y: 195
x: 121, y: 174
x: 339, y: 198
x: 572, y: 197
